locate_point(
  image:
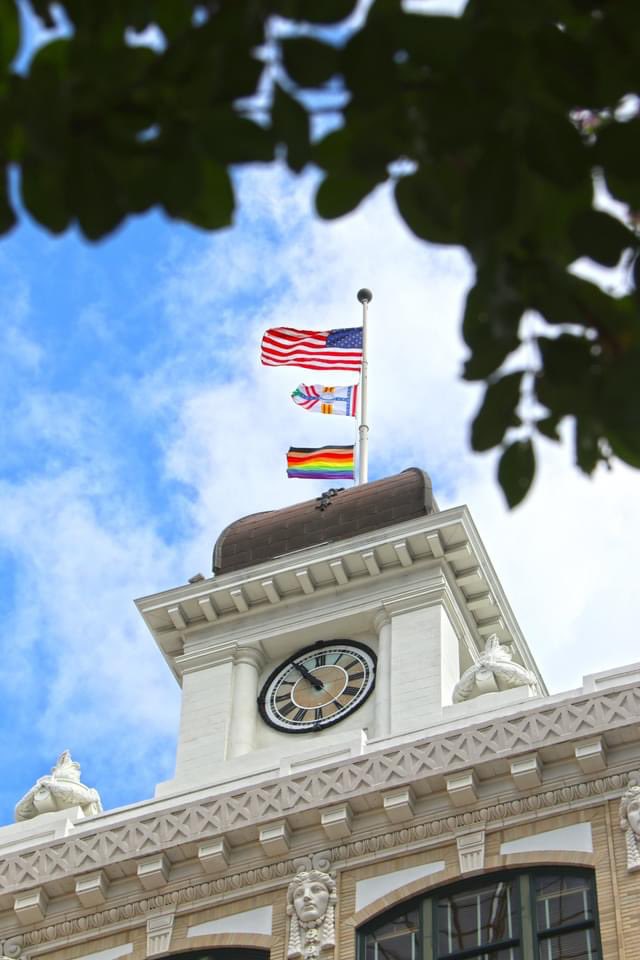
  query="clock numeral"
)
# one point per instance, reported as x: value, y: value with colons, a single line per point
x: 356, y: 676
x: 318, y: 714
x: 321, y: 659
x: 350, y: 691
x: 288, y: 708
x: 283, y: 698
x: 299, y: 716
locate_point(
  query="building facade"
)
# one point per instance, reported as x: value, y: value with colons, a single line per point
x: 369, y: 766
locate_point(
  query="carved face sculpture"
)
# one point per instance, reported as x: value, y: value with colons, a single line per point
x: 310, y: 900
x: 633, y: 815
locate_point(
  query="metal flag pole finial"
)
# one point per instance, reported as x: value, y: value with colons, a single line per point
x: 365, y: 297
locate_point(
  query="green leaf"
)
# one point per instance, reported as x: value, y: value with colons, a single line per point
x: 7, y: 216
x: 548, y: 427
x: 497, y: 413
x: 491, y: 201
x: 44, y: 195
x: 214, y: 202
x: 291, y: 127
x: 491, y: 322
x: 339, y: 194
x: 600, y: 237
x: 93, y: 194
x: 557, y: 295
x: 426, y: 209
x: 309, y: 62
x: 356, y: 148
x: 567, y: 381
x: 368, y: 65
x: 570, y: 74
x: 232, y: 139
x: 587, y: 445
x: 625, y: 445
x: 516, y: 470
x: 619, y: 404
x: 554, y: 148
x: 202, y: 195
x: 313, y: 11
x: 173, y: 18
x: 9, y: 32
x: 618, y: 149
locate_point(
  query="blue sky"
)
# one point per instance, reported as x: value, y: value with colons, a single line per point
x: 137, y: 422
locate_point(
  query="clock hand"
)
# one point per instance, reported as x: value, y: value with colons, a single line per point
x: 318, y: 684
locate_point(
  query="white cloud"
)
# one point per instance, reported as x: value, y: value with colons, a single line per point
x: 77, y: 665
x: 17, y: 349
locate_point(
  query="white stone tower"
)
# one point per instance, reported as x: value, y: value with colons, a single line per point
x: 406, y: 592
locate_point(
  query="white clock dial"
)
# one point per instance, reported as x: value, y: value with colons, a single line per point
x: 318, y: 686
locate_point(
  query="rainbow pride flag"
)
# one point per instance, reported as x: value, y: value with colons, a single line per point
x: 321, y: 463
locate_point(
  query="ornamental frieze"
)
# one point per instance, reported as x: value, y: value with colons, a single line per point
x: 277, y: 874
x: 152, y: 833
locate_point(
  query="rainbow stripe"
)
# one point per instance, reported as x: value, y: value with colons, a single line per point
x: 321, y: 463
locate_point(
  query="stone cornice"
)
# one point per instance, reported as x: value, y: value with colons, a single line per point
x: 466, y: 747
x: 249, y: 601
x: 380, y: 845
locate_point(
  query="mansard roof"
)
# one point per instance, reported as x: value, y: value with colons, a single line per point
x: 337, y: 515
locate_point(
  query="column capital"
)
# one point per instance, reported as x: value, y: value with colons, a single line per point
x: 381, y: 618
x: 250, y: 655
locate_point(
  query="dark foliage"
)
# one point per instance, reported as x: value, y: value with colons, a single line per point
x: 496, y: 129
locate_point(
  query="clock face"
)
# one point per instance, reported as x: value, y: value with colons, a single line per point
x: 318, y: 686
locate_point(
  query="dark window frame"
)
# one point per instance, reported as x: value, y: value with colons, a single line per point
x: 223, y: 952
x: 542, y: 936
x: 530, y: 937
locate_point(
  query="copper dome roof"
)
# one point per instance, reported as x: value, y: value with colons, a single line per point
x: 336, y: 515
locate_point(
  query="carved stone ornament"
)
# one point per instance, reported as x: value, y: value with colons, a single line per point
x: 59, y: 790
x: 630, y: 820
x: 311, y: 899
x: 357, y: 852
x: 494, y: 662
x: 10, y: 950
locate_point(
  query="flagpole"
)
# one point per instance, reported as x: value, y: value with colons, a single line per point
x: 365, y: 297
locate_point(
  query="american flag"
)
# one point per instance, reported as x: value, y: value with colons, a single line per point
x: 313, y: 349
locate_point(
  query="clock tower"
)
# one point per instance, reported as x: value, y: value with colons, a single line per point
x: 331, y: 628
x: 368, y: 767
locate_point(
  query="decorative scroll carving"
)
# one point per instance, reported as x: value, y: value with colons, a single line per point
x: 630, y: 820
x: 442, y: 828
x: 10, y: 949
x: 494, y: 661
x: 59, y: 790
x: 311, y: 899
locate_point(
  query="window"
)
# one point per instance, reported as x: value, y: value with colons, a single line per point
x: 473, y: 922
x: 565, y: 918
x: 395, y: 940
x: 536, y: 915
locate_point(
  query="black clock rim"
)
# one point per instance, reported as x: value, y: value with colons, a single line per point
x: 295, y: 656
